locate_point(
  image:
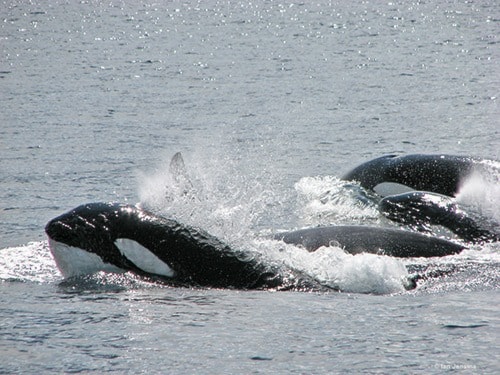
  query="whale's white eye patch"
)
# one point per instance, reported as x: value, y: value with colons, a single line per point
x: 143, y: 258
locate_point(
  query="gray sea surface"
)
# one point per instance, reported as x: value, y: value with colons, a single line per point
x: 269, y: 103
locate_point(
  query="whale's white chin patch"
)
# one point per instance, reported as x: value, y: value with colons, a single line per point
x: 143, y: 258
x: 73, y: 261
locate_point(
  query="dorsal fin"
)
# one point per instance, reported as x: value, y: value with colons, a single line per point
x: 178, y: 168
x: 180, y: 176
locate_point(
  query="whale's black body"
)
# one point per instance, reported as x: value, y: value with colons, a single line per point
x: 420, y: 209
x: 357, y: 239
x: 441, y: 174
x: 121, y: 237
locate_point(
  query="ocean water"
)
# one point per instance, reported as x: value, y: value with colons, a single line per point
x: 269, y: 103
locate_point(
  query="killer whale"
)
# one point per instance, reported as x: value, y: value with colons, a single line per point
x: 356, y: 239
x: 420, y: 209
x: 438, y: 173
x: 118, y: 237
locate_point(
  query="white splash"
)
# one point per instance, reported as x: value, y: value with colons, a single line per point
x: 482, y: 192
x: 327, y: 199
x: 220, y: 200
x: 332, y: 266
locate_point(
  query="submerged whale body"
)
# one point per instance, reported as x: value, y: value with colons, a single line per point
x: 116, y: 237
x: 420, y: 209
x: 441, y: 174
x: 356, y: 239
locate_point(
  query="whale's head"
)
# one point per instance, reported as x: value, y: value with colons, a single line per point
x: 87, y: 226
x: 442, y: 174
x: 104, y: 237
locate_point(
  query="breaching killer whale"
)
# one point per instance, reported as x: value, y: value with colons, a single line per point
x: 117, y: 237
x: 442, y: 174
x: 420, y: 209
